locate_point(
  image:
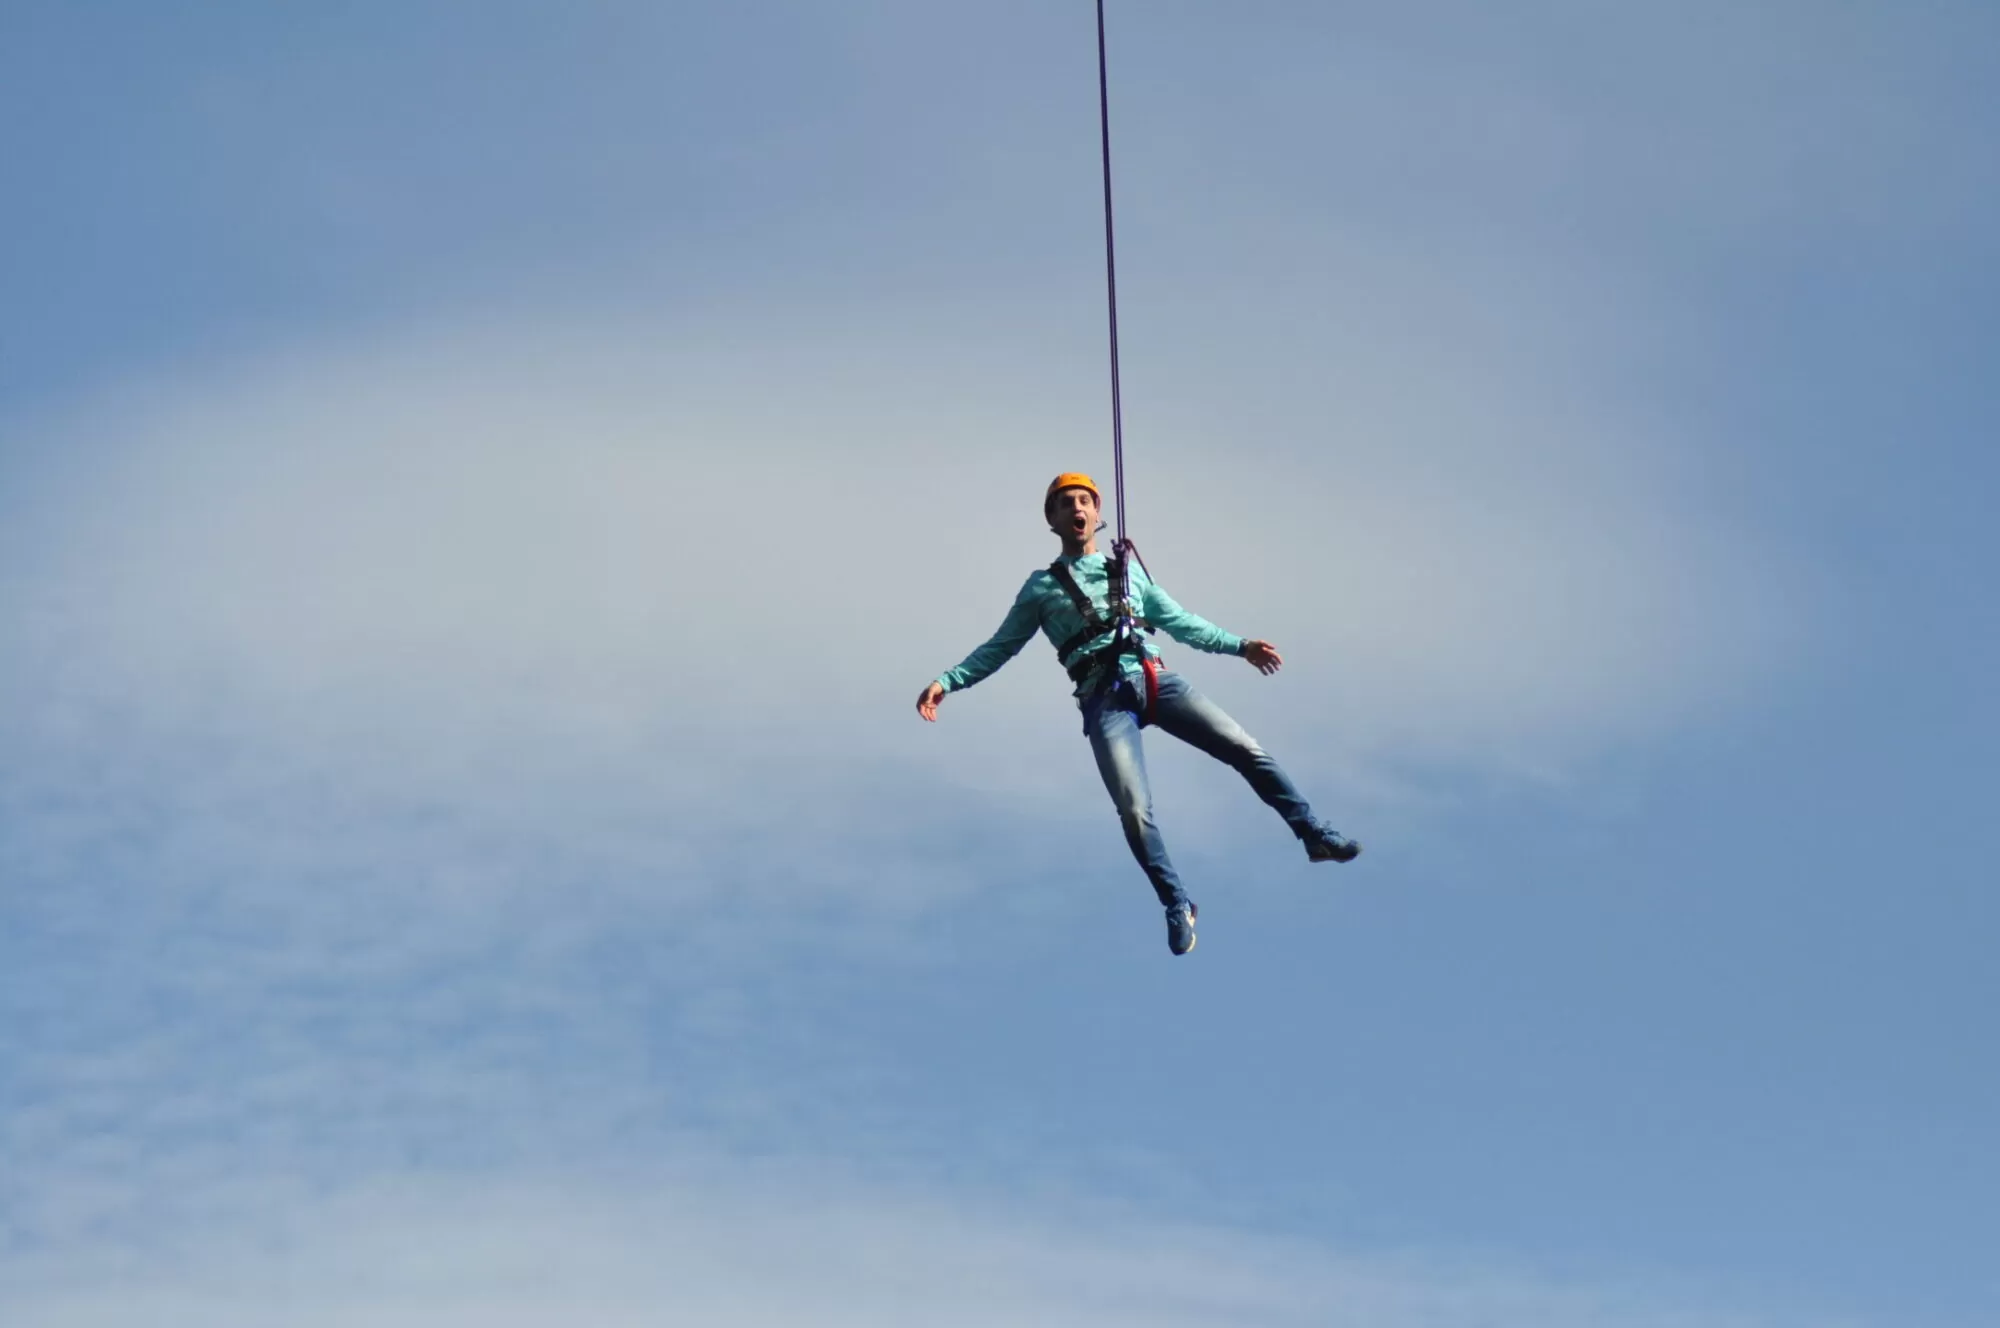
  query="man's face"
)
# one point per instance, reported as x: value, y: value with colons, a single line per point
x: 1073, y: 513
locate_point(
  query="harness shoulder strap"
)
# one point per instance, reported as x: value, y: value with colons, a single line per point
x: 1094, y: 624
x: 1067, y: 580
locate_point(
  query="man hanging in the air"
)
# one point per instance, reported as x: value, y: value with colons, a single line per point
x: 1121, y: 687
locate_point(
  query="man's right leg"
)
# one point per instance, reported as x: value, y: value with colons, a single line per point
x: 1199, y: 722
x: 1114, y: 740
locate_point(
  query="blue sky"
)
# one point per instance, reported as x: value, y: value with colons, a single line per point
x: 481, y: 486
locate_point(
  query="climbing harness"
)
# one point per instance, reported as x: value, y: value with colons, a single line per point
x: 1075, y: 661
x: 1081, y: 664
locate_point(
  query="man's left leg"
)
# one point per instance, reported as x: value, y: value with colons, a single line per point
x: 1188, y: 715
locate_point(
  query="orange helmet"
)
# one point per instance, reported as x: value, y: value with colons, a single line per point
x: 1070, y: 480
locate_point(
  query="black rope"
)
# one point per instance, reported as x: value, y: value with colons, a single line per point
x: 1111, y: 282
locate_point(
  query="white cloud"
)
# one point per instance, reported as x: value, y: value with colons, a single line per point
x: 745, y: 1248
x: 375, y: 690
x: 626, y: 594
x: 589, y: 528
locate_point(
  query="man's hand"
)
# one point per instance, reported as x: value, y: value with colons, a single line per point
x: 1263, y: 656
x: 927, y: 702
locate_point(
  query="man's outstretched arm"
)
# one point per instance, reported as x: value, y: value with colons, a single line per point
x: 1191, y: 629
x: 1016, y: 630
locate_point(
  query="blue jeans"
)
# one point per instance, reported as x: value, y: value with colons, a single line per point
x: 1112, y: 720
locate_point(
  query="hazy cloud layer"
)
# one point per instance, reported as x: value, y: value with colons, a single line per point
x: 461, y: 803
x: 587, y: 531
x: 769, y: 1246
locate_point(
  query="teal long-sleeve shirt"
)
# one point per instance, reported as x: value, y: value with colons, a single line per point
x: 1044, y: 606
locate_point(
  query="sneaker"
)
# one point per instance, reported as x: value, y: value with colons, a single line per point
x: 1180, y: 927
x: 1329, y: 845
